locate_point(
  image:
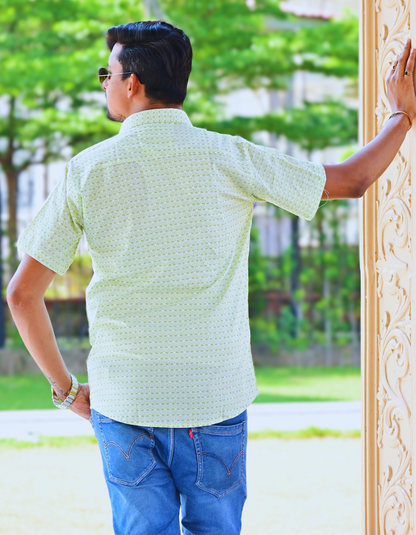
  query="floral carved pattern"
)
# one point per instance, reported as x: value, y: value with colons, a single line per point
x: 393, y: 268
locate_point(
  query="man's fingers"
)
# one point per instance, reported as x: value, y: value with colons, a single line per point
x: 393, y: 69
x: 410, y: 67
x: 403, y: 58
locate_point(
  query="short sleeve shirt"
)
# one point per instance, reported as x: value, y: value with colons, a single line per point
x: 166, y: 209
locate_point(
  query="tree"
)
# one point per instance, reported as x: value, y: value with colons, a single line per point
x: 62, y: 43
x: 50, y: 49
x: 238, y: 47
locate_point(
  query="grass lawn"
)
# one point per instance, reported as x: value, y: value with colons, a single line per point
x: 79, y: 441
x: 275, y: 385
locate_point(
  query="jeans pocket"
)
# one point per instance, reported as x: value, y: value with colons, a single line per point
x: 127, y: 449
x: 221, y: 457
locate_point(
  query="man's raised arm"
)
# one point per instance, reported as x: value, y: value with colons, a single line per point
x: 352, y: 178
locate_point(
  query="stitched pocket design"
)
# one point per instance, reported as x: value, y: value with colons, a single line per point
x: 128, y: 451
x: 221, y: 457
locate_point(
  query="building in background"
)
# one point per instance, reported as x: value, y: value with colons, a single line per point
x: 38, y: 181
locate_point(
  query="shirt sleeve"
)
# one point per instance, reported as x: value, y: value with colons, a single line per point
x: 53, y: 236
x: 290, y: 183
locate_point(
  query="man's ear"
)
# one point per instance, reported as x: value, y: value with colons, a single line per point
x: 134, y: 87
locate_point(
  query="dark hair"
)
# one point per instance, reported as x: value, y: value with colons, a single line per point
x: 159, y: 54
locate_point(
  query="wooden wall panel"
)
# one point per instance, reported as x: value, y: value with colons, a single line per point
x: 387, y: 268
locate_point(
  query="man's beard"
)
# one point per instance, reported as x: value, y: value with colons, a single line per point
x: 112, y: 117
x: 116, y: 118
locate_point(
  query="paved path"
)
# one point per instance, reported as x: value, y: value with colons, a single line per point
x: 342, y: 415
x: 295, y: 487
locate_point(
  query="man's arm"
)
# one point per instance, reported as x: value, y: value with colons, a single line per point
x: 25, y: 297
x: 352, y: 178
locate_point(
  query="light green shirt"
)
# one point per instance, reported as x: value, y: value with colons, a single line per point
x: 167, y: 209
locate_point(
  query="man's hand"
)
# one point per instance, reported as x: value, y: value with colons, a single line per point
x: 81, y: 403
x: 400, y: 86
x: 354, y: 176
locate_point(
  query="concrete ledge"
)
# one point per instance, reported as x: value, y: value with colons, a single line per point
x: 19, y: 361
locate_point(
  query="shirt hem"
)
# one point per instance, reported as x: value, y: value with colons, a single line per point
x: 190, y: 423
x: 320, y: 189
x: 28, y: 251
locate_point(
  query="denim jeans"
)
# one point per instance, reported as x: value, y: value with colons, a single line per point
x: 152, y: 472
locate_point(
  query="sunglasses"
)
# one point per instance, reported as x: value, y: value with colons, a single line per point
x: 104, y: 75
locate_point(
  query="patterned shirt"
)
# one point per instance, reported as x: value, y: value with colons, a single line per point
x: 166, y: 209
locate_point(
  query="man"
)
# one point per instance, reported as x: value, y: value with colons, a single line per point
x: 166, y: 209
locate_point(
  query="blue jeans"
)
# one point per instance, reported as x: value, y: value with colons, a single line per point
x: 151, y: 472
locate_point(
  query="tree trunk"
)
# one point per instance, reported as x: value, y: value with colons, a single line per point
x: 11, y: 178
x: 2, y: 315
x: 295, y: 272
x: 327, y: 323
x: 45, y: 175
x: 11, y: 173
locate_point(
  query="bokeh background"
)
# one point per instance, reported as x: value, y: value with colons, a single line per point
x: 282, y: 74
x: 279, y: 73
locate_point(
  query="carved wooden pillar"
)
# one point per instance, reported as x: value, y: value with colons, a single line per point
x: 387, y: 260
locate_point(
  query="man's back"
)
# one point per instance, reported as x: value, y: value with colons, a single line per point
x: 167, y: 209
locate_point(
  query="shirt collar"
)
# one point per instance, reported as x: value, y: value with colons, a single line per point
x: 159, y: 116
